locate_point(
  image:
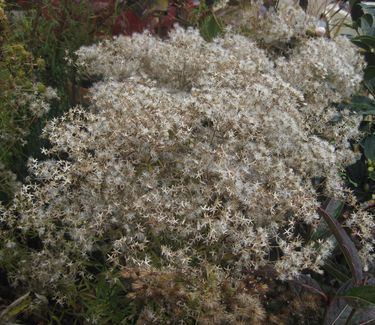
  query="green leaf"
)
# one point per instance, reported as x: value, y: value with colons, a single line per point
x: 338, y: 309
x: 364, y: 293
x: 210, y: 28
x: 369, y: 147
x: 371, y: 175
x: 364, y: 41
x: 341, y: 307
x: 16, y: 307
x: 368, y: 18
x: 361, y: 105
x: 352, y: 3
x: 367, y: 9
x: 370, y: 85
x: 369, y: 73
x: 366, y: 22
x: 370, y: 58
x: 363, y: 100
x: 352, y: 182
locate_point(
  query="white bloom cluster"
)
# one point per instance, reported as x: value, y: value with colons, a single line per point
x: 39, y: 103
x: 8, y: 180
x: 363, y: 226
x: 32, y: 104
x: 269, y: 26
x: 24, y: 108
x: 192, y: 153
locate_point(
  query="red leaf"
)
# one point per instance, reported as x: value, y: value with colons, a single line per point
x: 128, y: 23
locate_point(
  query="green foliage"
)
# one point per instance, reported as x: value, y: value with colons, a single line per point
x: 36, y: 54
x: 369, y: 147
x: 19, y: 71
x: 354, y: 292
x: 365, y: 105
x: 371, y: 168
x: 351, y: 310
x: 210, y: 27
x: 105, y: 302
x: 16, y: 307
x: 54, y: 33
x: 365, y: 27
x: 51, y: 31
x: 364, y: 293
x: 362, y: 105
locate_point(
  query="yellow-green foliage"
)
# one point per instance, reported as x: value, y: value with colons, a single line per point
x: 22, y: 101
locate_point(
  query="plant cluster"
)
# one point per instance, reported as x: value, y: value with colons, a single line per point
x: 23, y: 101
x: 197, y: 168
x: 361, y: 175
x: 269, y: 25
x: 194, y: 156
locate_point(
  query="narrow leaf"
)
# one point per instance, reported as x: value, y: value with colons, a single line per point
x: 334, y: 208
x: 346, y: 245
x: 370, y: 85
x: 370, y: 58
x: 361, y: 105
x: 369, y: 73
x: 363, y: 100
x: 369, y: 147
x: 364, y: 293
x: 311, y: 285
x: 364, y: 41
x: 367, y: 9
x: 366, y: 24
x: 210, y: 28
x: 333, y: 270
x: 16, y: 307
x: 338, y: 310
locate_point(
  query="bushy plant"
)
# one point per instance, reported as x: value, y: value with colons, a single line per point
x: 53, y: 30
x: 361, y: 175
x: 195, y: 166
x: 23, y: 100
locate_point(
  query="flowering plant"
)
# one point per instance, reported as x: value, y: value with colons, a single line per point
x: 23, y: 101
x: 195, y: 165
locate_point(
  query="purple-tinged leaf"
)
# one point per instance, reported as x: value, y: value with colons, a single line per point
x: 334, y: 208
x: 346, y: 245
x: 307, y: 283
x: 340, y: 309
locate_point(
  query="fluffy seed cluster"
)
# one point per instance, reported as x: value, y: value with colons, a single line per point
x: 267, y: 26
x: 193, y: 155
x: 363, y: 226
